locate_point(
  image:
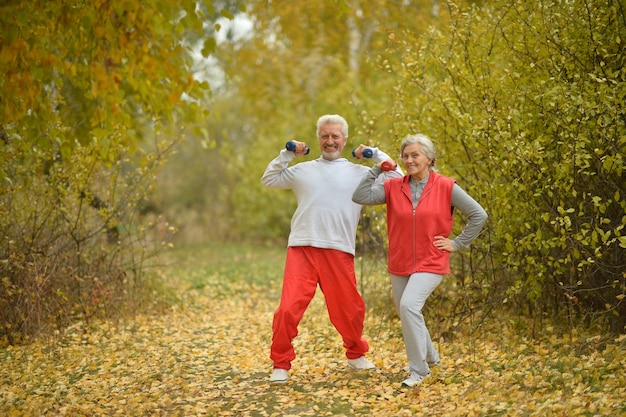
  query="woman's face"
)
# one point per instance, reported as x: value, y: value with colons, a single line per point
x: 415, y: 161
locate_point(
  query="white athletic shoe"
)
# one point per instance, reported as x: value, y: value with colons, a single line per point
x: 413, y: 379
x: 360, y: 363
x: 279, y: 376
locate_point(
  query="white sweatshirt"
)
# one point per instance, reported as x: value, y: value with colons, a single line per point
x: 326, y: 216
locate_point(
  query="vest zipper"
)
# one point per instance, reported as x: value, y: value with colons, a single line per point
x: 414, y: 243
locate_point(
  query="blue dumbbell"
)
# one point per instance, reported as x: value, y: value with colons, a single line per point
x: 291, y: 146
x: 367, y: 153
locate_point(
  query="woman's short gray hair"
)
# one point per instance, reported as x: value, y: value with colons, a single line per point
x: 333, y: 118
x: 427, y: 146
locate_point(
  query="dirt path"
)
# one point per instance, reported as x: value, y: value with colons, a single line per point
x: 209, y: 357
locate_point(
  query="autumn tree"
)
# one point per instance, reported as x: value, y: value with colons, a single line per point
x: 297, y: 61
x: 93, y: 96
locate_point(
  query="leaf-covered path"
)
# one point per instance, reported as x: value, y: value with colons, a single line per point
x: 208, y: 356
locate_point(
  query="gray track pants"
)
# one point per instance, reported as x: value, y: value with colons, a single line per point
x: 409, y: 295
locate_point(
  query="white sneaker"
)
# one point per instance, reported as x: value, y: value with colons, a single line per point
x: 413, y: 379
x: 360, y: 363
x: 279, y: 376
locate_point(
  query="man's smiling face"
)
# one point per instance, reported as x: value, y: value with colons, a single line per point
x: 332, y: 141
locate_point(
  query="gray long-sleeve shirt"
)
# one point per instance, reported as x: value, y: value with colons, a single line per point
x: 368, y: 192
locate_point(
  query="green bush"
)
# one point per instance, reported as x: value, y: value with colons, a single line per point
x: 74, y: 243
x: 526, y: 104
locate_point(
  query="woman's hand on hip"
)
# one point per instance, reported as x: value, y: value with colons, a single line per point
x: 443, y: 243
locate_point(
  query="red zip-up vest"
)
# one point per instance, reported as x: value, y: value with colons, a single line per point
x: 411, y: 232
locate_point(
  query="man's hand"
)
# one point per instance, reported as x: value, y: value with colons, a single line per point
x: 299, y: 148
x: 358, y: 152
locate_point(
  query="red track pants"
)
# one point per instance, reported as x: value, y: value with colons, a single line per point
x: 333, y: 270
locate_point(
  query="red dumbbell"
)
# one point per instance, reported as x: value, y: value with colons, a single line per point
x: 388, y: 166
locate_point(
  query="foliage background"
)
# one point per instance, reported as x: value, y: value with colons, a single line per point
x: 93, y: 98
x: 525, y: 102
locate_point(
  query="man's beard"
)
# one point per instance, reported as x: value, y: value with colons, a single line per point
x: 331, y: 156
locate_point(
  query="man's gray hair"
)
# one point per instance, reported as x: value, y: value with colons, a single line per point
x: 333, y: 118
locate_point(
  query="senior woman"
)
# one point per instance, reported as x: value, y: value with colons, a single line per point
x: 420, y: 217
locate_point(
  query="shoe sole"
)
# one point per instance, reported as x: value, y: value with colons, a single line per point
x: 359, y: 368
x: 280, y: 381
